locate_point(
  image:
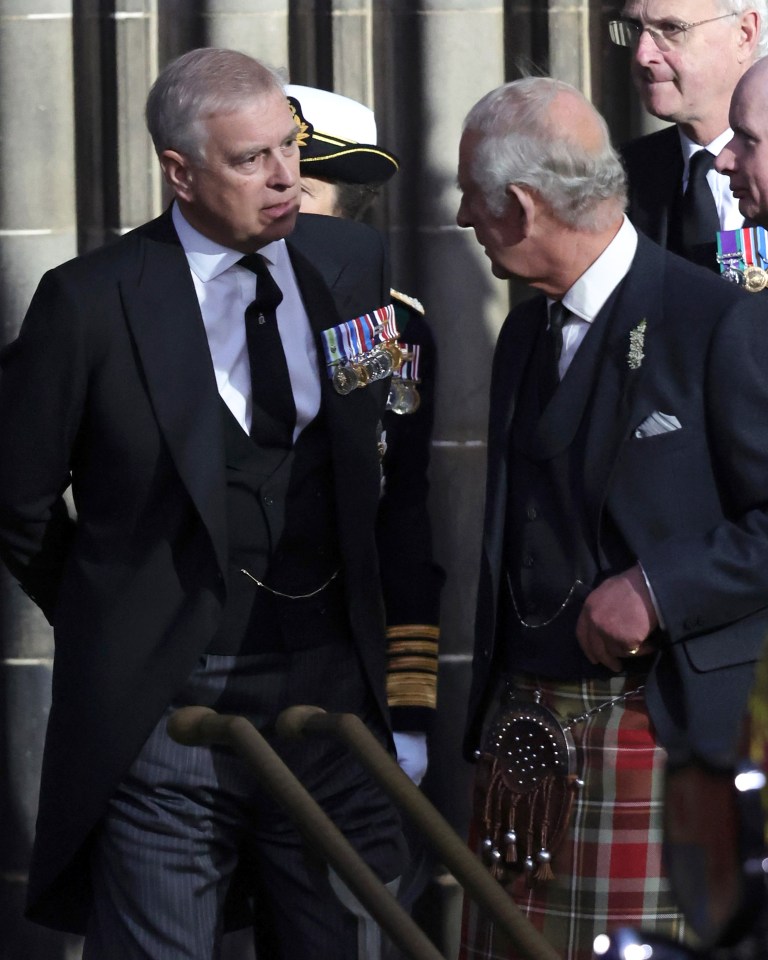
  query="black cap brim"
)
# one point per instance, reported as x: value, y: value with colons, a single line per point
x: 335, y: 159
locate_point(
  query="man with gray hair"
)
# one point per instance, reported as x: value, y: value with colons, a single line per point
x: 624, y: 570
x: 223, y: 551
x: 687, y: 57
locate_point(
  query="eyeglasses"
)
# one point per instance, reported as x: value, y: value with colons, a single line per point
x: 666, y: 34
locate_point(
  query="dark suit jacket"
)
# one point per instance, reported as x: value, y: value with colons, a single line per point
x: 111, y: 384
x: 654, y: 166
x: 690, y: 504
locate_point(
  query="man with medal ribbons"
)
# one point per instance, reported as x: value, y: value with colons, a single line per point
x: 744, y: 159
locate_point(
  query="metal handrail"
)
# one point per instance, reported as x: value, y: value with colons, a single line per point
x: 198, y: 726
x: 464, y: 865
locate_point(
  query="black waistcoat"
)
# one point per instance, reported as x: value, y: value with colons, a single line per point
x: 281, y: 525
x: 551, y: 556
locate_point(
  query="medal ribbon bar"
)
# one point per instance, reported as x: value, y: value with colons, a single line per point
x: 742, y: 257
x: 362, y: 350
x: 411, y: 358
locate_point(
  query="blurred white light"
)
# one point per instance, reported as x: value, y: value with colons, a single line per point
x: 602, y: 945
x: 638, y: 951
x: 750, y: 780
x: 632, y: 951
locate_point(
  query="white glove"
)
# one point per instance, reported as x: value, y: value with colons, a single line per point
x: 412, y: 754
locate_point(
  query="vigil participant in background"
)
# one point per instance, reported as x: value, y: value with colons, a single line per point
x: 343, y: 169
x: 624, y: 567
x: 223, y: 550
x: 687, y: 57
x: 744, y: 159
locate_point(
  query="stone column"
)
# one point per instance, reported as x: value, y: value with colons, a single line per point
x: 37, y: 230
x: 116, y: 57
x: 355, y: 49
x: 569, y: 43
x: 257, y: 27
x: 441, y: 57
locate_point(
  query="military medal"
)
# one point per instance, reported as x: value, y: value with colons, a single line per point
x: 740, y: 254
x: 729, y: 256
x: 345, y: 379
x: 398, y: 400
x: 362, y: 350
x: 755, y: 279
x: 753, y: 248
x: 403, y: 394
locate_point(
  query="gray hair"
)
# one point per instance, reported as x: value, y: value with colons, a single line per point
x: 743, y: 6
x: 198, y: 85
x: 520, y: 146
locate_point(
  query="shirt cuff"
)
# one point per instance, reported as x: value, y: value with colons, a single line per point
x: 656, y: 607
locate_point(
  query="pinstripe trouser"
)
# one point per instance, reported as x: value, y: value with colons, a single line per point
x: 184, y: 818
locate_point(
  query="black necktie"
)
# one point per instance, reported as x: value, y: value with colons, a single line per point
x: 273, y: 409
x: 699, y: 220
x: 553, y: 340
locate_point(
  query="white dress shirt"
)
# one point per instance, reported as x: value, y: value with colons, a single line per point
x: 224, y: 290
x: 588, y: 295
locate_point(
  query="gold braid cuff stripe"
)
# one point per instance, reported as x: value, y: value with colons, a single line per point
x: 425, y: 630
x: 411, y: 691
x: 412, y: 664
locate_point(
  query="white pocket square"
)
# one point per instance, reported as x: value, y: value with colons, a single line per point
x: 657, y: 423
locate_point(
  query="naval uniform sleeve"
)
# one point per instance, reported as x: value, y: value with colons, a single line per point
x: 411, y: 580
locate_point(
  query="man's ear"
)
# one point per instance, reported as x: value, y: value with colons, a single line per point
x: 178, y: 173
x: 749, y: 34
x: 522, y: 203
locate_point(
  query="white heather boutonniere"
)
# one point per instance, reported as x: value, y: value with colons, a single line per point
x: 635, y: 355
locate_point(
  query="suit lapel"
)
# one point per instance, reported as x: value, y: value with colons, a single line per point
x: 351, y: 419
x: 664, y: 192
x: 511, y: 359
x: 615, y: 407
x: 670, y: 181
x: 164, y: 317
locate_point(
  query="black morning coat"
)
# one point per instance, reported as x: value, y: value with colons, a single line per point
x: 110, y: 384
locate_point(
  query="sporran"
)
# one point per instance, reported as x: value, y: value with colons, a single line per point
x: 526, y: 786
x: 527, y: 782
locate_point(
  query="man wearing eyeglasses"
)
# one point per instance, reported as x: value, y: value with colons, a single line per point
x: 687, y: 57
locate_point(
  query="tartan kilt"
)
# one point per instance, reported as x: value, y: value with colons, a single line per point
x: 608, y: 868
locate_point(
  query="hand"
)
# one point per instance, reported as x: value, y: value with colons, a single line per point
x: 617, y: 619
x: 412, y: 754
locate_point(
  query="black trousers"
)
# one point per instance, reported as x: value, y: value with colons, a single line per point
x: 185, y: 819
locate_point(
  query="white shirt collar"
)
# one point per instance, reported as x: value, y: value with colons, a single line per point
x: 588, y: 295
x: 689, y: 147
x: 209, y: 259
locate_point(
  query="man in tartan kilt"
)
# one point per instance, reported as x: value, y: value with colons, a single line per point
x: 624, y: 570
